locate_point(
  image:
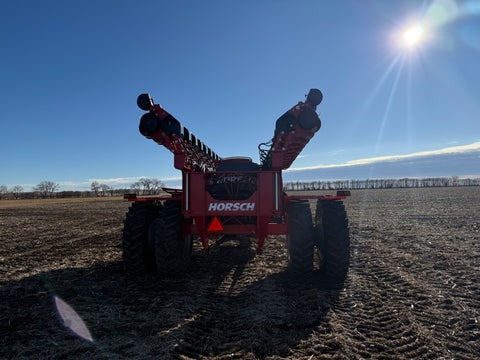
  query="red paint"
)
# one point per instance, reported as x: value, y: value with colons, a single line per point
x: 250, y: 216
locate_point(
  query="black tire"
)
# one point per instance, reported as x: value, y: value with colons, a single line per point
x: 299, y: 238
x: 172, y: 250
x: 144, y: 102
x: 138, y: 254
x: 333, y: 241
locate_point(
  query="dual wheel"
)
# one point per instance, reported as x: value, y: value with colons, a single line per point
x: 153, y: 241
x: 327, y: 237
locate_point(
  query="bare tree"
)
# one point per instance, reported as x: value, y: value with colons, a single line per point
x: 3, y: 191
x: 46, y: 188
x: 104, y: 188
x: 95, y: 187
x: 16, y: 191
x: 383, y: 183
x: 156, y: 186
x: 136, y: 186
x: 146, y: 185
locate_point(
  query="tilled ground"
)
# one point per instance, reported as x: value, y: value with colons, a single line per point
x: 413, y: 290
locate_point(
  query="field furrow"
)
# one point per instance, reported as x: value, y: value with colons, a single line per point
x: 412, y: 291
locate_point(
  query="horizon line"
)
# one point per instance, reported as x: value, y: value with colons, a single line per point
x: 126, y: 181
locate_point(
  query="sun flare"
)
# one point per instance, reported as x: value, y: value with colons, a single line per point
x: 413, y: 35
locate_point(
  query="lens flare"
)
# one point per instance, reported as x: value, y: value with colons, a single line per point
x: 413, y: 35
x: 72, y: 320
x: 441, y: 12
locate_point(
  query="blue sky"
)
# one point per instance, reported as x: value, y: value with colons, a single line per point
x: 70, y: 73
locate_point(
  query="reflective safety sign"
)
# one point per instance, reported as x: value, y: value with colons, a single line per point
x: 215, y: 225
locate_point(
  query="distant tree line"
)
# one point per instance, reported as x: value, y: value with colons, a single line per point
x: 380, y: 183
x: 45, y: 189
x: 13, y: 193
x: 48, y: 189
x: 145, y: 186
x: 101, y: 189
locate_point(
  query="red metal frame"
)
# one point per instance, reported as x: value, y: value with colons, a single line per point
x: 188, y: 157
x: 197, y: 162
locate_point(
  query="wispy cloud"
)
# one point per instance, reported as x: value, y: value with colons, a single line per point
x: 116, y: 181
x: 128, y: 180
x: 337, y: 152
x: 450, y: 150
x: 123, y: 182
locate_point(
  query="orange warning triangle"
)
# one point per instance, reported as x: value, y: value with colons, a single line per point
x: 215, y: 225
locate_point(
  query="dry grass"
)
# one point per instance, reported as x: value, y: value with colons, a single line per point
x: 28, y: 202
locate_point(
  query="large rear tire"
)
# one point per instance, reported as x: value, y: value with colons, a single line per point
x: 138, y: 253
x: 172, y: 250
x: 299, y: 238
x: 333, y: 241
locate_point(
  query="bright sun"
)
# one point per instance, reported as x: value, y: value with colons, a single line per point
x: 413, y: 35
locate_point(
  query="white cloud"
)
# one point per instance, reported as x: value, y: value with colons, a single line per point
x: 171, y: 179
x: 450, y: 150
x: 128, y: 180
x: 337, y: 152
x: 26, y: 187
x: 124, y: 182
x: 116, y: 181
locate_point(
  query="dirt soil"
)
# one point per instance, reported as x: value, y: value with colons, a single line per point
x: 413, y: 290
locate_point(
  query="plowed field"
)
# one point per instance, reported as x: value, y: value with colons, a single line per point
x: 413, y: 290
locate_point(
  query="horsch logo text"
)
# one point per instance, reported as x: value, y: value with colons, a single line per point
x: 231, y: 206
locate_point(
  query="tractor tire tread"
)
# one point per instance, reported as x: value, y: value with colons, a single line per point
x: 335, y: 245
x: 135, y: 238
x: 300, y: 237
x: 168, y: 240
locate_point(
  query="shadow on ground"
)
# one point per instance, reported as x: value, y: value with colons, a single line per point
x: 217, y: 310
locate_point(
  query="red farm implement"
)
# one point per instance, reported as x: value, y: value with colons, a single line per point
x: 233, y: 196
